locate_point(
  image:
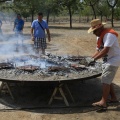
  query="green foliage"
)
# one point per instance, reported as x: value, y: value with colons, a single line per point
x: 103, y: 8
x: 26, y: 7
x: 63, y: 7
x: 51, y: 6
x: 73, y: 4
x: 86, y: 11
x: 117, y: 13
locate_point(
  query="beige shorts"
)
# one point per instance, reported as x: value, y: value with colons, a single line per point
x: 108, y: 73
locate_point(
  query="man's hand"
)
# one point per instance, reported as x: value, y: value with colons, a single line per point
x: 32, y: 38
x: 90, y: 61
x: 48, y: 33
x: 49, y: 39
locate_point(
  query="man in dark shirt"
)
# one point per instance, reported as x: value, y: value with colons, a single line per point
x: 18, y: 25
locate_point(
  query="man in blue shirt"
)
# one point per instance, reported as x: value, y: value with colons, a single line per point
x: 38, y: 33
x: 18, y: 25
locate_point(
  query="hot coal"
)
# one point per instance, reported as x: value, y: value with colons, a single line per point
x: 29, y: 68
x: 5, y: 65
x: 57, y: 68
x: 21, y: 62
x: 75, y: 58
x: 47, y: 68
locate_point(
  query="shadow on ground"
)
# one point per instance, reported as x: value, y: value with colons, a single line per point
x: 63, y: 26
x: 34, y: 97
x: 24, y: 37
x: 73, y: 28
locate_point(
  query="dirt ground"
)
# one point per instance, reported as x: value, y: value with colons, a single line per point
x: 65, y: 41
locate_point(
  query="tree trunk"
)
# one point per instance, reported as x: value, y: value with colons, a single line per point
x: 101, y: 15
x: 70, y: 13
x: 3, y: 16
x: 54, y: 19
x: 79, y: 19
x: 87, y: 20
x: 26, y: 19
x: 93, y: 11
x: 48, y: 13
x: 112, y: 17
x: 32, y: 16
x: 106, y: 18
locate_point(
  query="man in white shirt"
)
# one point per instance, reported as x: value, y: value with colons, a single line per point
x: 108, y: 49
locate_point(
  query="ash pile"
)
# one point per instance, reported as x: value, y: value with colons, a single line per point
x: 47, y: 68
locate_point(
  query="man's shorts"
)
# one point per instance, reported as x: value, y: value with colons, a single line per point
x: 108, y: 73
x: 40, y: 43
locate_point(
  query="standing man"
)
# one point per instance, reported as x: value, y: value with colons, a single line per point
x: 38, y: 33
x: 18, y: 25
x: 0, y: 26
x: 108, y: 49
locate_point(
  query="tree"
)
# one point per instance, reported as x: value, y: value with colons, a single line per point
x: 27, y: 7
x: 117, y: 13
x: 2, y: 1
x: 50, y: 6
x: 71, y: 6
x: 112, y: 4
x: 102, y: 9
x: 2, y: 9
x: 86, y: 12
x: 117, y: 10
x: 92, y: 4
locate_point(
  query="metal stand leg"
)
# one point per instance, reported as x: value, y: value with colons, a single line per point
x: 1, y: 87
x: 63, y: 95
x: 8, y: 88
x: 66, y: 86
x: 53, y: 95
x: 59, y: 89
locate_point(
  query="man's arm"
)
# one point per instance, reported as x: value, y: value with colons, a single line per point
x: 0, y: 23
x: 102, y: 53
x: 96, y: 53
x: 32, y: 36
x: 23, y: 25
x: 14, y: 24
x: 48, y: 33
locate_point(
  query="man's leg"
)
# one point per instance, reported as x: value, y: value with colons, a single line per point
x: 107, y: 78
x: 105, y: 94
x: 43, y: 51
x: 43, y: 45
x: 40, y: 52
x: 112, y: 93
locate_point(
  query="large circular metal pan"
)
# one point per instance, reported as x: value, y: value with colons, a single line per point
x: 64, y: 71
x: 53, y: 78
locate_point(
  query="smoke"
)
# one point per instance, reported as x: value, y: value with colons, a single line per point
x: 11, y: 44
